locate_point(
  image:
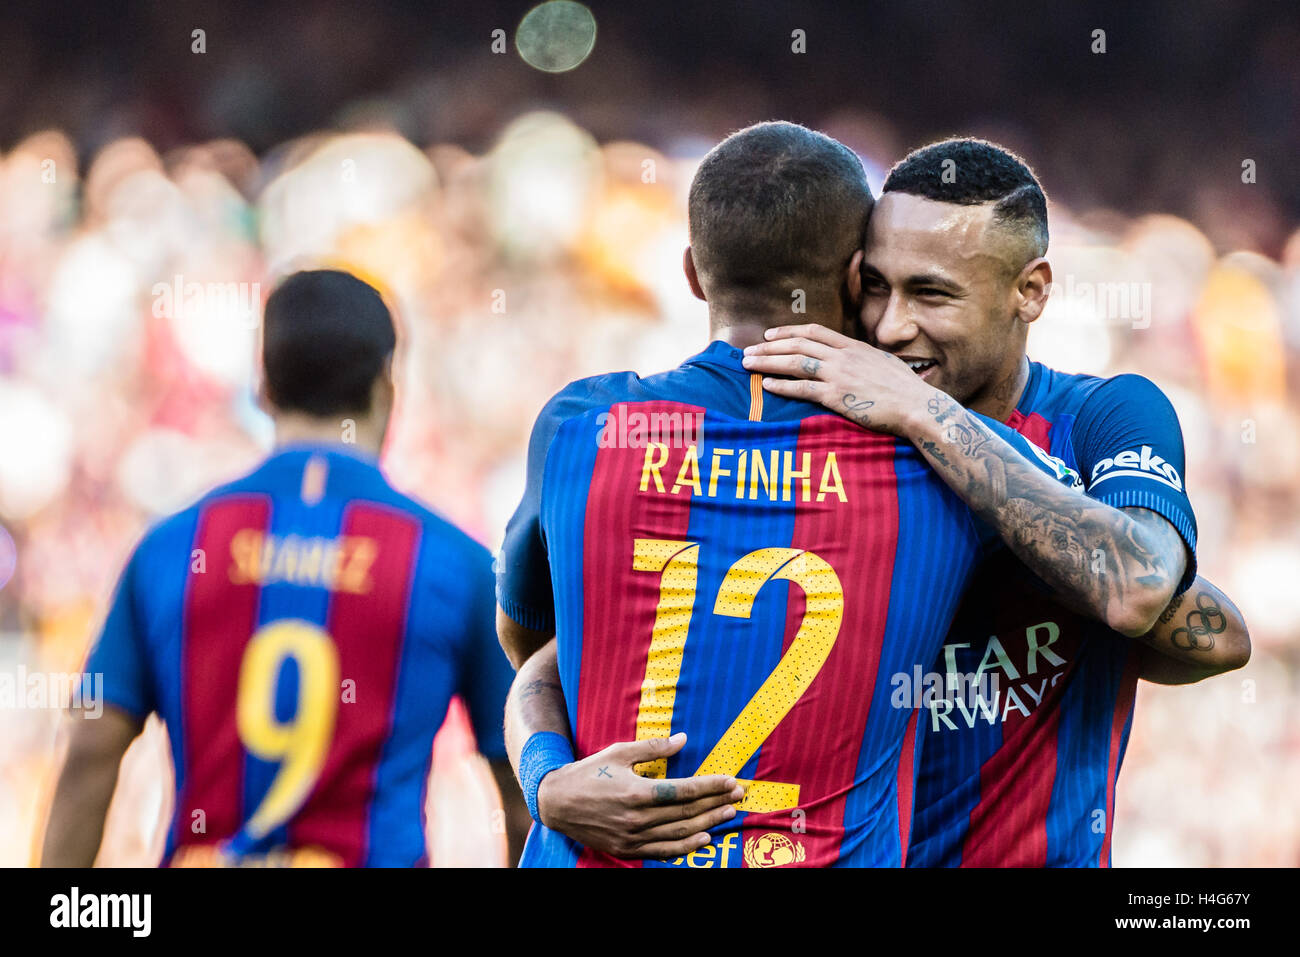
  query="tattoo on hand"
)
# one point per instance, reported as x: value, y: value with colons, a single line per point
x: 665, y: 793
x: 810, y: 366
x: 856, y: 409
x: 604, y: 772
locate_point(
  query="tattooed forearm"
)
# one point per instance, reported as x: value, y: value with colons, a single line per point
x: 856, y: 409
x: 1116, y: 566
x: 934, y: 452
x: 1203, y: 622
x: 1167, y: 615
x: 535, y: 702
x: 943, y: 409
x: 1200, y: 634
x: 969, y: 437
x: 538, y: 686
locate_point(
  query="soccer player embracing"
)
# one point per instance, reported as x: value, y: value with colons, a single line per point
x: 1094, y: 591
x: 744, y: 567
x: 1105, y: 590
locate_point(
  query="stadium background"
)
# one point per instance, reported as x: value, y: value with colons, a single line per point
x: 528, y: 229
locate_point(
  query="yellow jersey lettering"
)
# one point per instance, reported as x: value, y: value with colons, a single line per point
x: 336, y: 564
x: 758, y: 471
x: 656, y: 454
x: 689, y: 473
x: 359, y: 554
x: 716, y: 471
x: 805, y: 473
x: 740, y: 474
x: 831, y: 471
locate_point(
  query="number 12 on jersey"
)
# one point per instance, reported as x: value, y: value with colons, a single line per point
x: 677, y: 564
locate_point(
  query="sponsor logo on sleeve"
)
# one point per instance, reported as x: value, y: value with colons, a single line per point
x: 1062, y: 471
x: 1136, y: 463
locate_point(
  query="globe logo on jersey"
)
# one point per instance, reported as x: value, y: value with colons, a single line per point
x: 772, y: 849
x: 1059, y: 468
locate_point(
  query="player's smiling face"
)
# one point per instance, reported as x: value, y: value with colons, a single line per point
x: 939, y: 291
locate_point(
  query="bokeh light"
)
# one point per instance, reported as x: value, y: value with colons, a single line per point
x: 556, y: 36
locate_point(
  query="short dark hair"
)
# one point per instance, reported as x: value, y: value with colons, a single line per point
x: 773, y: 206
x: 326, y: 337
x: 981, y: 172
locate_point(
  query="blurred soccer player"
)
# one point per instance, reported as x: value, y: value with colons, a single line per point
x: 954, y: 272
x: 663, y: 524
x: 300, y: 631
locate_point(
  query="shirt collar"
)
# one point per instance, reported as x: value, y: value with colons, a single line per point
x: 335, y: 450
x: 719, y: 353
x: 1028, y: 400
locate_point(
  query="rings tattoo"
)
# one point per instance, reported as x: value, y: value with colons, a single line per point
x: 1203, y: 623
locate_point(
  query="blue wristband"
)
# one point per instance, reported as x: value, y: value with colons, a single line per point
x: 543, y: 753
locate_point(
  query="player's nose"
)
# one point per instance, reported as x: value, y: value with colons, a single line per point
x: 893, y: 326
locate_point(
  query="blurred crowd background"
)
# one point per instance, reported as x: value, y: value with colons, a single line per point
x: 527, y: 229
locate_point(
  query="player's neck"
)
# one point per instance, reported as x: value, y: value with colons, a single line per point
x: 358, y: 433
x: 999, y: 399
x: 747, y: 330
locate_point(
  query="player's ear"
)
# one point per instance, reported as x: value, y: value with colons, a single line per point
x: 264, y: 396
x: 1033, y: 286
x: 692, y: 277
x: 854, y: 278
x: 385, y: 388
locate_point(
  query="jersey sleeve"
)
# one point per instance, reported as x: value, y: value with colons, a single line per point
x: 485, y: 671
x: 118, y: 665
x: 1049, y: 465
x: 1129, y: 447
x: 523, y: 572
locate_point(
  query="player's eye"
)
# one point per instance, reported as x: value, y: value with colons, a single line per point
x: 874, y: 287
x: 929, y: 292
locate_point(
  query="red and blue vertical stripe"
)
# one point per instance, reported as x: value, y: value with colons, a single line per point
x: 851, y: 752
x: 407, y: 639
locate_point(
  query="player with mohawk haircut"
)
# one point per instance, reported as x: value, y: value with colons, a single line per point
x: 1096, y: 590
x: 756, y: 588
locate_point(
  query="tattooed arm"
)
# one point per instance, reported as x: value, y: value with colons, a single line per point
x: 600, y: 801
x: 1200, y: 634
x: 1119, y: 566
x: 535, y: 702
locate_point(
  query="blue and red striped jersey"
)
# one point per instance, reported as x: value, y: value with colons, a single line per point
x: 751, y: 570
x: 1022, y: 772
x: 301, y: 631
